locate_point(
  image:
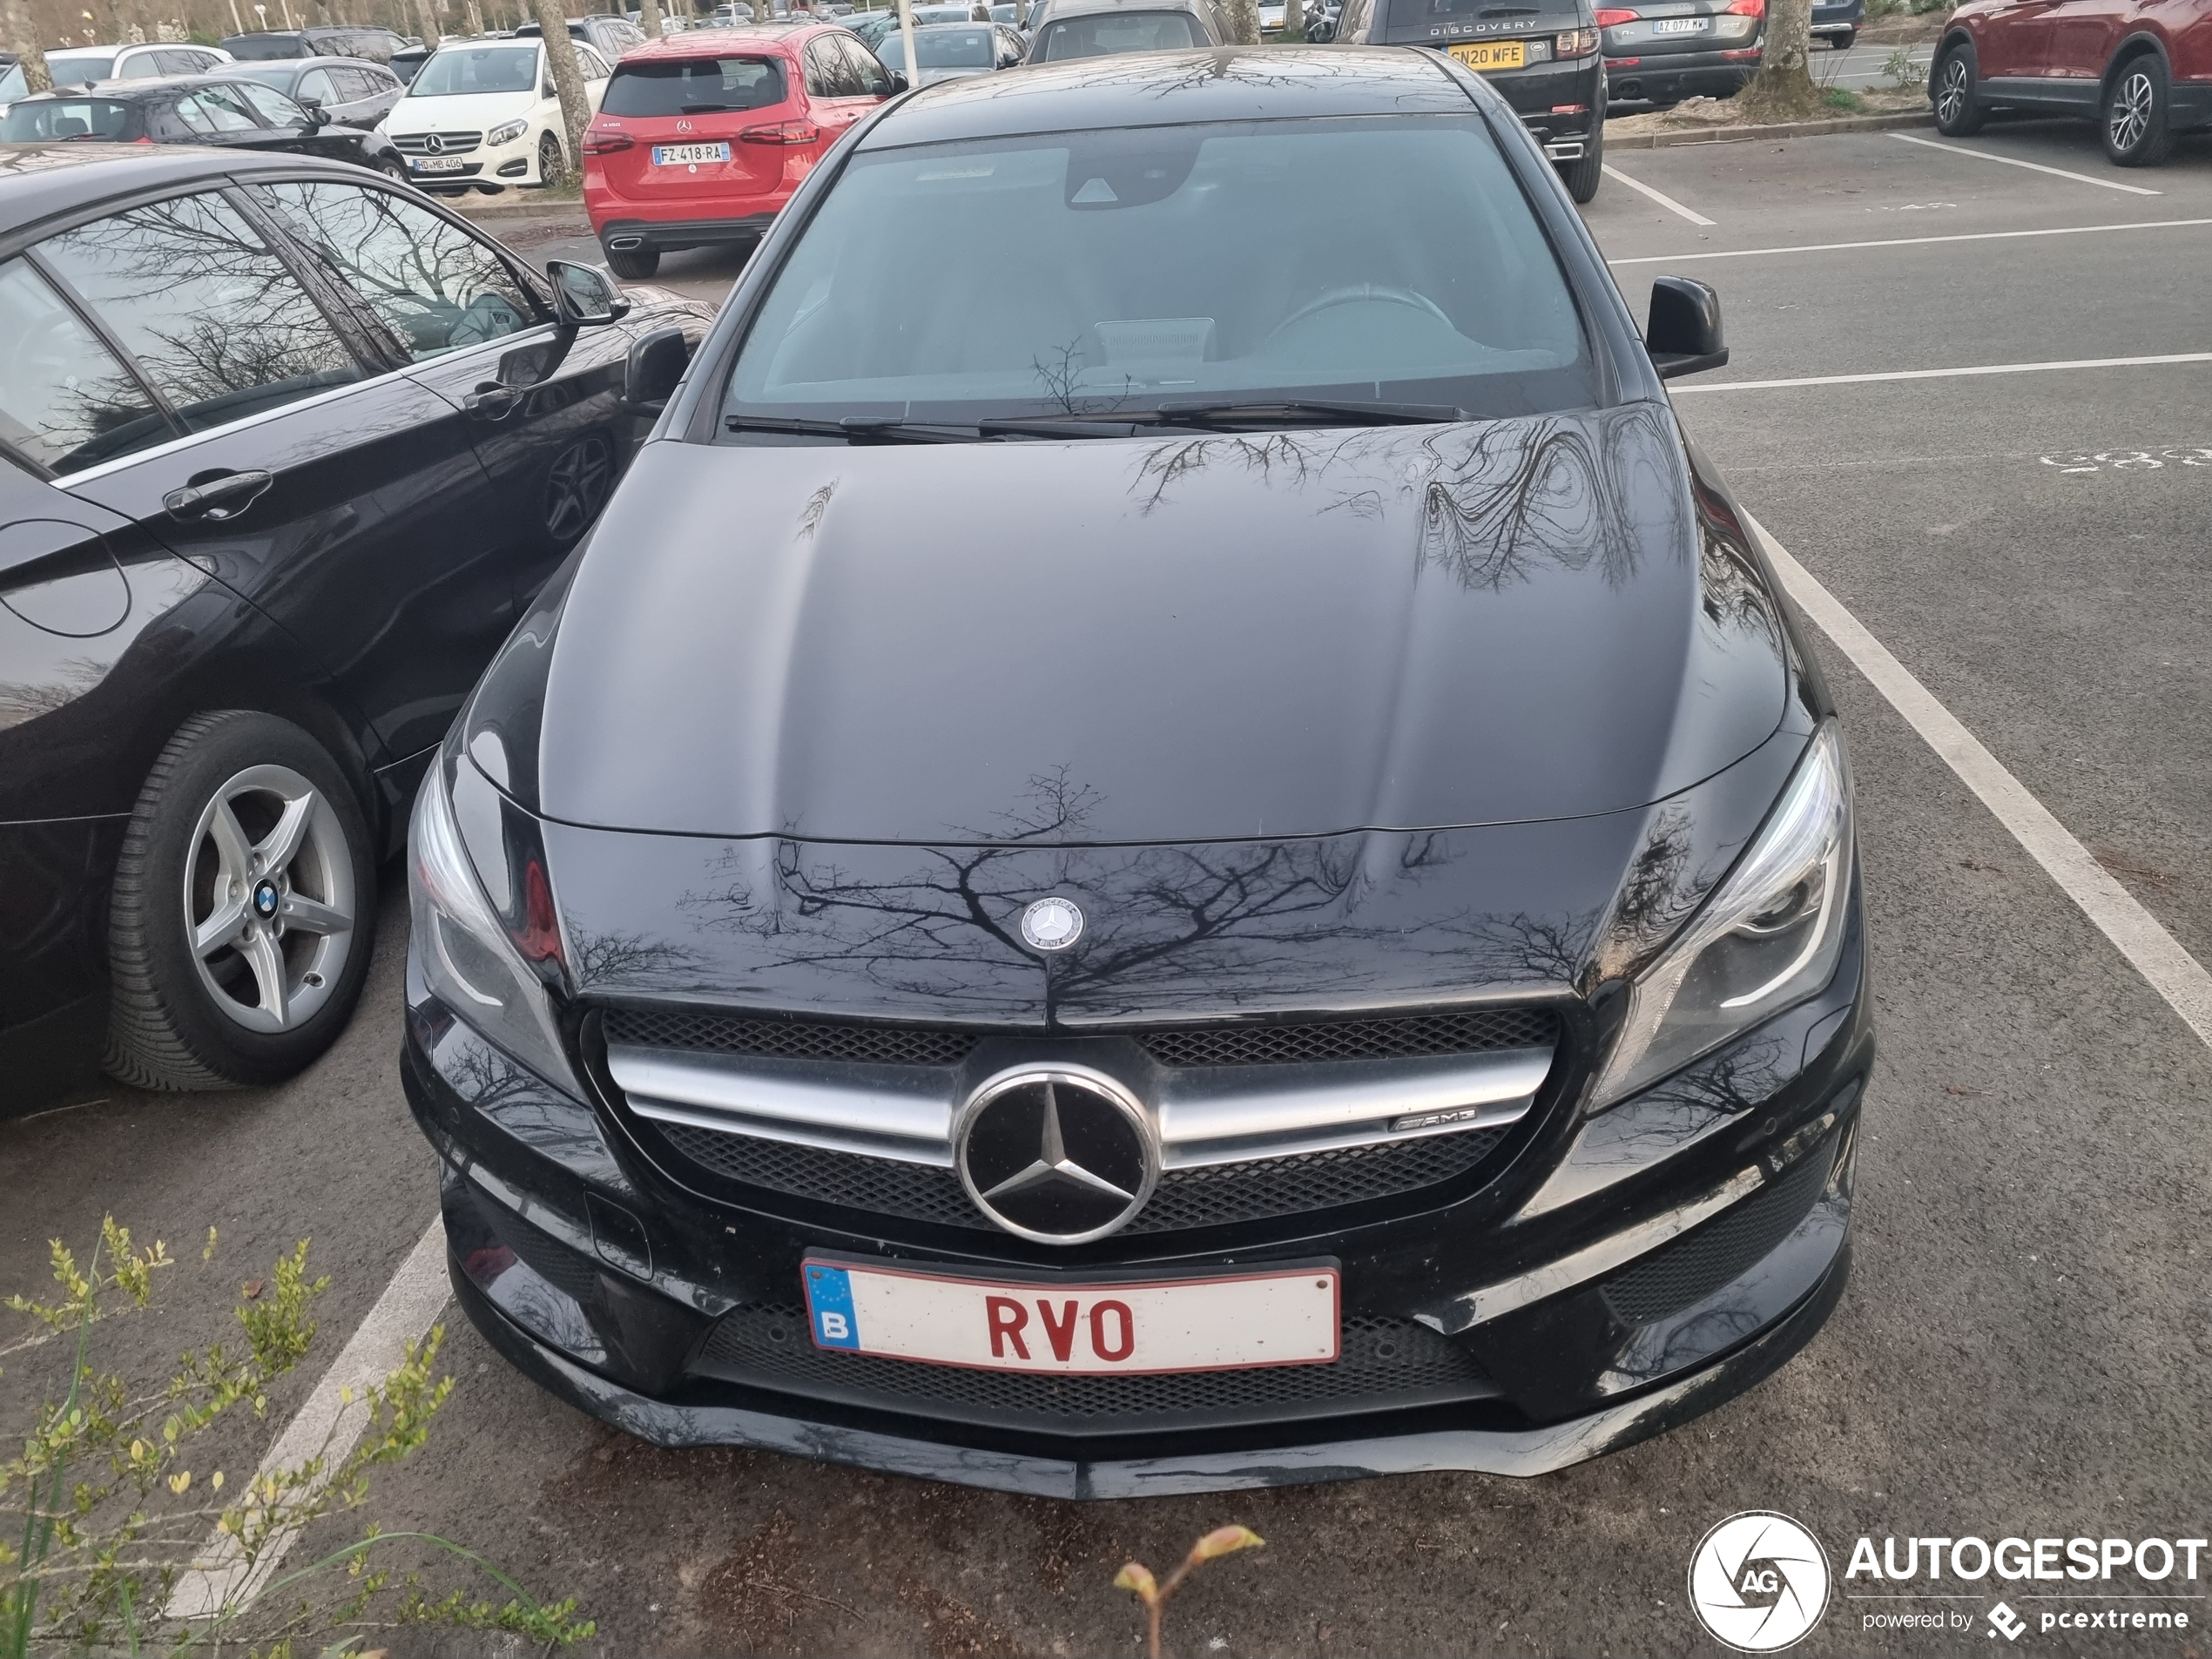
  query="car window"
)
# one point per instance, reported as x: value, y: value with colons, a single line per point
x: 1390, y: 258
x: 693, y: 86
x: 64, y: 399
x: 34, y: 120
x: 215, y: 109
x: 173, y: 61
x: 454, y: 71
x: 436, y: 287
x: 868, y: 73
x: 134, y: 66
x: 274, y: 107
x: 317, y: 86
x: 213, y: 317
x: 1117, y: 32
x: 827, y: 74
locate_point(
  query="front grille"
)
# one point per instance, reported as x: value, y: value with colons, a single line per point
x: 417, y: 143
x: 1694, y: 1266
x: 1472, y: 1031
x: 1209, y: 1195
x: 1382, y: 1364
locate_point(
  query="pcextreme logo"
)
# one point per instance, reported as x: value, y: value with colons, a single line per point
x: 1758, y: 1582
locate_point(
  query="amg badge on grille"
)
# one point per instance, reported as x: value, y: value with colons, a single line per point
x: 1059, y: 1154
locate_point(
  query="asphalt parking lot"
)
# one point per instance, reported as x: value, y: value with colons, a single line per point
x: 2024, y: 1345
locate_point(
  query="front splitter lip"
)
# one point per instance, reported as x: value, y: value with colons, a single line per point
x: 1520, y: 1453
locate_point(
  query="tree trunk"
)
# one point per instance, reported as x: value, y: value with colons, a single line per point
x: 23, y: 37
x: 1294, y: 20
x: 568, y: 79
x: 1244, y: 21
x: 649, y: 18
x: 426, y: 22
x: 1784, y: 88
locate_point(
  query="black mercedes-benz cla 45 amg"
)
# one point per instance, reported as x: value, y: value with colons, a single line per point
x: 1199, y: 854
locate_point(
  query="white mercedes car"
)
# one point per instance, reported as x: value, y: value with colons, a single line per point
x: 482, y: 114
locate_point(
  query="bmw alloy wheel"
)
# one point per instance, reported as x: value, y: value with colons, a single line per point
x: 268, y: 898
x: 2131, y: 109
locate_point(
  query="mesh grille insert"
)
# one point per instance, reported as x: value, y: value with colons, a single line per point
x: 1382, y: 1363
x: 1473, y: 1031
x: 1691, y: 1269
x: 1216, y: 1195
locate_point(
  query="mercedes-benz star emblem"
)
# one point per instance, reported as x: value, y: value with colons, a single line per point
x: 1052, y: 924
x: 434, y: 144
x: 1059, y: 1154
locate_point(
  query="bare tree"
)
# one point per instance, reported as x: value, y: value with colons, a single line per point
x: 568, y: 79
x: 1783, y: 86
x: 1244, y: 21
x: 21, y: 35
x: 426, y: 22
x: 649, y: 18
x: 1294, y: 20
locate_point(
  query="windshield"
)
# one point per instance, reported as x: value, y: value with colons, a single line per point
x: 942, y: 47
x: 693, y: 86
x: 1119, y: 31
x: 1384, y: 259
x: 68, y: 69
x: 39, y: 119
x: 453, y: 70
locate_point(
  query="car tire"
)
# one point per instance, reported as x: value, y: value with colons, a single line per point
x: 1958, y: 111
x: 396, y: 172
x: 1581, y: 176
x: 1843, y: 40
x: 633, y: 263
x: 551, y: 170
x: 246, y: 817
x: 2137, y: 132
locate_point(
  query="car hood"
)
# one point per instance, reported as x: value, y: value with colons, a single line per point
x: 1160, y: 640
x: 459, y: 113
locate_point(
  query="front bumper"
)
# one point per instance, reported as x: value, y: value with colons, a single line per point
x: 1667, y: 1255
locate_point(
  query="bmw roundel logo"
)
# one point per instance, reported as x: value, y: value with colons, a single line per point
x: 265, y: 900
x: 1052, y: 924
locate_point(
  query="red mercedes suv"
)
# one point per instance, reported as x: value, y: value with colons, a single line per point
x: 2141, y: 69
x: 701, y: 138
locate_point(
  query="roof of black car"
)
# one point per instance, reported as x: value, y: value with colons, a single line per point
x: 302, y: 65
x: 37, y: 180
x: 133, y: 88
x: 1165, y: 89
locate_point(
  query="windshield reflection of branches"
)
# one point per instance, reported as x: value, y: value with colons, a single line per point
x: 205, y: 306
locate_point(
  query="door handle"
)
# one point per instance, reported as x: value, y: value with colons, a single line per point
x: 491, y: 401
x: 221, y: 498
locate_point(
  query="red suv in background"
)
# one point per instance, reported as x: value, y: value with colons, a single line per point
x: 2141, y: 69
x: 701, y: 138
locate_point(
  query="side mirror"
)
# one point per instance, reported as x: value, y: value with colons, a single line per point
x: 898, y: 81
x: 317, y: 115
x: 583, y: 296
x: 1684, y: 336
x: 657, y: 362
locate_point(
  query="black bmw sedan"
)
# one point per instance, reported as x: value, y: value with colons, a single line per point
x: 1211, y: 862
x: 283, y: 450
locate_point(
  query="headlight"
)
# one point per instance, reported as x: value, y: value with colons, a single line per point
x: 1768, y: 937
x: 506, y: 132
x: 467, y: 959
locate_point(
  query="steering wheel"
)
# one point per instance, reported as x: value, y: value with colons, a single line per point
x: 1357, y: 293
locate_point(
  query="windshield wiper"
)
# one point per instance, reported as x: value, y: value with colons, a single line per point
x: 1279, y: 411
x: 854, y: 429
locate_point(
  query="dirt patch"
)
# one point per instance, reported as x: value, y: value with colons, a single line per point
x: 762, y: 1596
x: 954, y: 1630
x: 1717, y: 114
x: 1903, y: 29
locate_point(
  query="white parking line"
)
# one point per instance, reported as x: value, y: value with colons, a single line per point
x: 2033, y: 166
x: 329, y: 1423
x: 1943, y: 374
x: 1912, y: 242
x: 1663, y: 199
x: 2172, y: 973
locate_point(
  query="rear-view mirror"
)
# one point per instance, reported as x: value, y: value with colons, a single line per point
x: 1683, y: 334
x: 582, y: 295
x: 898, y: 80
x: 657, y: 362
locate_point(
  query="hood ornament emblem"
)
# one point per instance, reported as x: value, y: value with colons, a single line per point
x: 1059, y: 1154
x: 1052, y: 924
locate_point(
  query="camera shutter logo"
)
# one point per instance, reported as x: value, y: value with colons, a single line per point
x: 1759, y: 1582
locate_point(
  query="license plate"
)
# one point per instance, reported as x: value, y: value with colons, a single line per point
x: 437, y: 164
x: 678, y: 155
x: 1496, y: 54
x: 1678, y: 26
x: 1103, y: 1328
